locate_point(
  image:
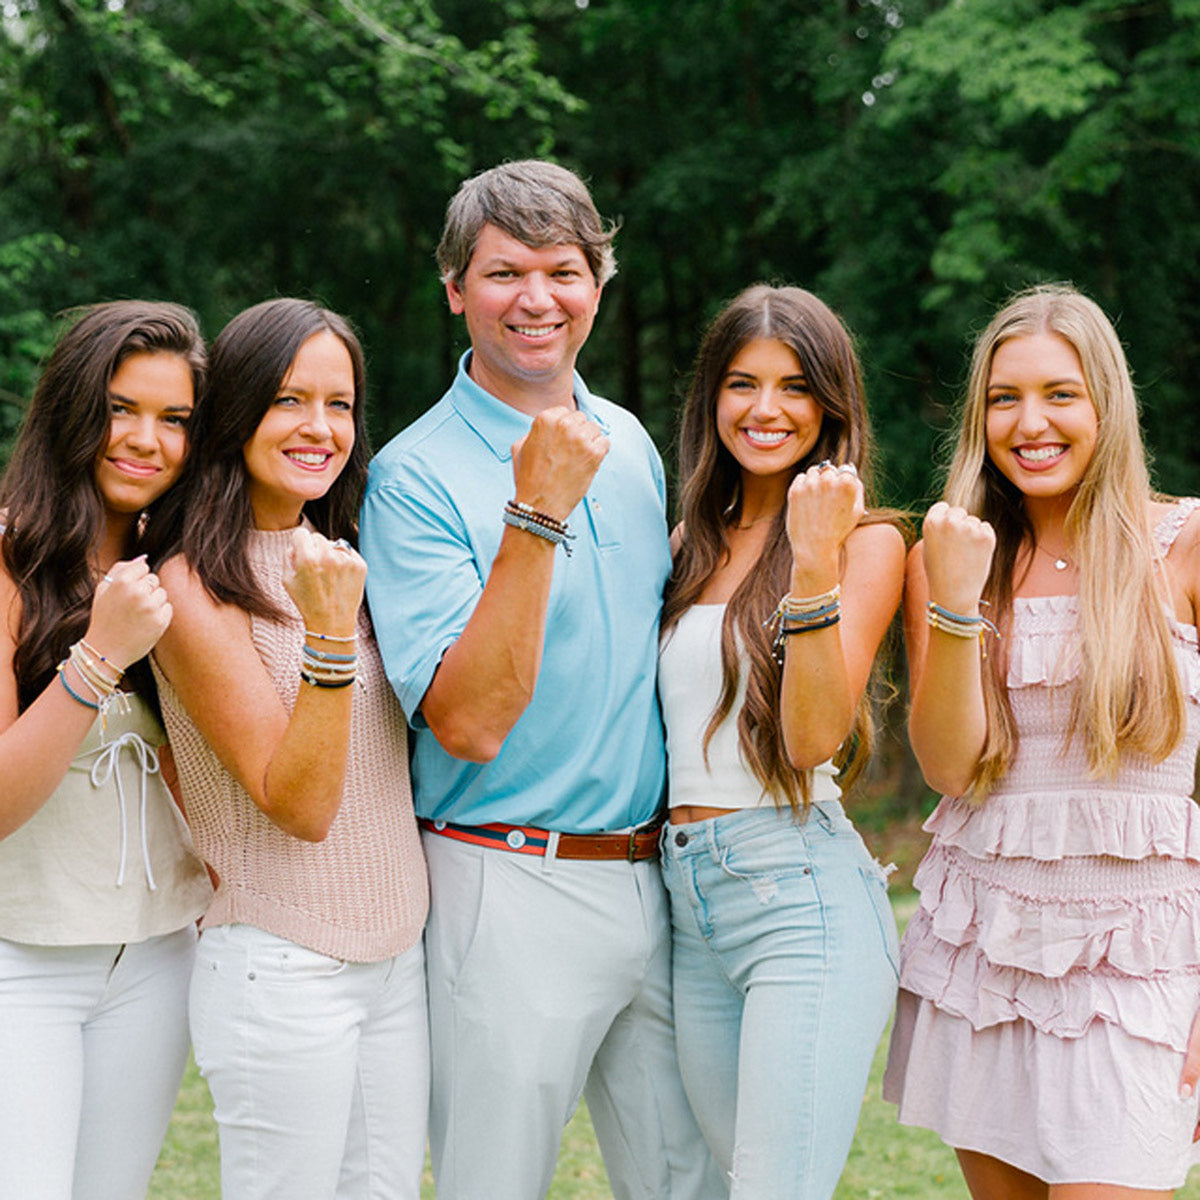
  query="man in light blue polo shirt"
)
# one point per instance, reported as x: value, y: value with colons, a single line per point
x: 517, y: 546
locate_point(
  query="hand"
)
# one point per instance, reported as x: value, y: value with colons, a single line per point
x: 326, y: 581
x: 130, y: 612
x: 1190, y: 1074
x: 555, y: 462
x: 958, y: 555
x: 824, y: 506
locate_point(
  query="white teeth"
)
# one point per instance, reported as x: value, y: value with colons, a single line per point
x: 308, y: 459
x: 535, y: 331
x: 1040, y: 454
x: 764, y: 437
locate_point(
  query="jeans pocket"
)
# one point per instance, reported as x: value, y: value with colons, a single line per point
x: 875, y: 881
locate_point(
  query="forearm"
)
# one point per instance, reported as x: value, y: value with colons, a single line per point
x: 948, y: 721
x: 826, y: 669
x: 817, y: 704
x: 486, y: 679
x: 306, y: 776
x: 35, y: 752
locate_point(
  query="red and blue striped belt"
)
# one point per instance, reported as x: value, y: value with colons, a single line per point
x: 634, y: 846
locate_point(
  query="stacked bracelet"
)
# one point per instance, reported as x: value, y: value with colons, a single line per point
x: 101, y: 678
x: 523, y: 516
x: 958, y: 625
x: 803, y: 614
x: 324, y: 669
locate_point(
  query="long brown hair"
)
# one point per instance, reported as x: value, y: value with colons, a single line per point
x: 209, y: 518
x: 711, y: 500
x: 52, y: 507
x: 1129, y: 695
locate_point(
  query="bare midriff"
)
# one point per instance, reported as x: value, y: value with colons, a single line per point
x: 685, y: 814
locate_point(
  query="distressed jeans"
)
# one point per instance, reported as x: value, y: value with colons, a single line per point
x: 785, y: 965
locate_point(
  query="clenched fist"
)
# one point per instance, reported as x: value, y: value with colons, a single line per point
x: 555, y: 462
x: 957, y: 553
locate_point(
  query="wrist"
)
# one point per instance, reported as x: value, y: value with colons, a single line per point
x: 814, y: 574
x: 963, y: 606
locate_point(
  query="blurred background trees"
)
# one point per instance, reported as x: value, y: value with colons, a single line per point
x: 912, y: 161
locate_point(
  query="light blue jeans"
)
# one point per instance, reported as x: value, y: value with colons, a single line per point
x: 785, y: 955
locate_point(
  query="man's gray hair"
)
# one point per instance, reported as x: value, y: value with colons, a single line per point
x: 536, y: 202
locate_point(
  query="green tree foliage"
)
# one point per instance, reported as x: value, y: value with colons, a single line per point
x: 910, y: 160
x: 221, y: 151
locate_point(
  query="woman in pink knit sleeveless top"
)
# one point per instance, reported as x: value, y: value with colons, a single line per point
x: 307, y: 1001
x: 1050, y: 979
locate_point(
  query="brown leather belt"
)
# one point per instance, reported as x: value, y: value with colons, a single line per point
x: 635, y: 846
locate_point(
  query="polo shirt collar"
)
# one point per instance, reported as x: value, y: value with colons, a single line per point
x: 499, y: 424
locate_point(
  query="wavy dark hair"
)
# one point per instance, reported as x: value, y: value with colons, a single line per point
x: 52, y: 507
x: 711, y: 500
x: 208, y: 518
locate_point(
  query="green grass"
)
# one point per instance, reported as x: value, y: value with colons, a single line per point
x: 887, y: 1159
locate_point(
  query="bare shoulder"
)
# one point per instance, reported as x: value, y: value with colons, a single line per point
x: 880, y: 544
x: 916, y: 560
x: 197, y: 618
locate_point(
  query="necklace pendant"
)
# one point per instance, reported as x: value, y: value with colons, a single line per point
x: 1061, y: 564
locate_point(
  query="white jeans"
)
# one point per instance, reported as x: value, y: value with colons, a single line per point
x: 318, y: 1068
x: 93, y: 1042
x: 547, y: 979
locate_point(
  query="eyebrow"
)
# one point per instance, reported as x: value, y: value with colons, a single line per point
x: 797, y: 376
x: 1050, y: 383
x: 507, y: 264
x: 173, y: 408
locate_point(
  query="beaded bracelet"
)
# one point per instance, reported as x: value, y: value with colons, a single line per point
x: 558, y: 533
x: 803, y: 614
x: 105, y: 662
x: 324, y: 669
x: 520, y: 509
x: 958, y: 625
x: 309, y: 678
x: 331, y: 637
x: 72, y: 692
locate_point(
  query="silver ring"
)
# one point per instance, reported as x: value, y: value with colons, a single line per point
x: 107, y: 577
x: 825, y: 464
x: 342, y: 544
x: 847, y: 469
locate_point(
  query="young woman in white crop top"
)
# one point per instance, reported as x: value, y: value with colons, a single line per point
x: 783, y: 588
x: 99, y: 886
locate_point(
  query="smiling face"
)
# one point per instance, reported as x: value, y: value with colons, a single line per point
x: 150, y: 399
x: 528, y: 311
x: 1041, y: 422
x: 766, y: 416
x: 304, y: 439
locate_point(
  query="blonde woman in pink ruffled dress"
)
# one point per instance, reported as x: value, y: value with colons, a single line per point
x: 1050, y: 979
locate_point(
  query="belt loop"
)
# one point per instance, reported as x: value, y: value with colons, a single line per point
x: 551, y: 855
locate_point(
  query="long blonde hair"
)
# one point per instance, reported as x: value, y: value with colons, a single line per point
x: 711, y: 500
x: 1129, y: 696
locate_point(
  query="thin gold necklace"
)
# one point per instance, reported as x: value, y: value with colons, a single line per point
x: 1061, y: 561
